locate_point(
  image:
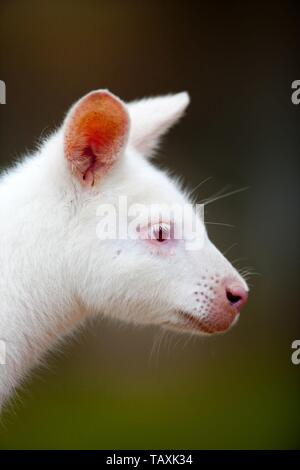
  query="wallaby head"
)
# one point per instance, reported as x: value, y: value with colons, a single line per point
x: 154, y: 277
x: 90, y: 226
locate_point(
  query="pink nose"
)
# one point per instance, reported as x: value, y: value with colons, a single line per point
x: 236, y: 295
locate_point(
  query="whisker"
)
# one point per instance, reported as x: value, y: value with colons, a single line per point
x: 251, y: 274
x: 237, y: 260
x: 217, y: 194
x: 222, y: 196
x: 230, y: 248
x: 156, y: 346
x: 199, y: 185
x: 247, y: 268
x: 187, y: 341
x: 220, y: 223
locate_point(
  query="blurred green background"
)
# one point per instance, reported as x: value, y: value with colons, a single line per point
x: 120, y: 387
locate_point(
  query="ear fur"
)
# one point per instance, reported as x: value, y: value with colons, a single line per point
x: 151, y: 118
x: 95, y: 135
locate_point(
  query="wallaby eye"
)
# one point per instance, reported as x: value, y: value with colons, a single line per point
x: 160, y: 232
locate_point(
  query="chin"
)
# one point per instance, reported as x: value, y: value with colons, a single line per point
x: 188, y: 323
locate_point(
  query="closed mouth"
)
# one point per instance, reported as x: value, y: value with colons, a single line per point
x: 206, y: 325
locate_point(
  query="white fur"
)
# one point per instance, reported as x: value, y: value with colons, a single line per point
x: 54, y: 270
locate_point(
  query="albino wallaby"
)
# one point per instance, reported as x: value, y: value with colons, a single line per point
x: 57, y: 269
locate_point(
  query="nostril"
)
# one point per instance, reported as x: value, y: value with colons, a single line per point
x: 236, y: 295
x: 233, y: 299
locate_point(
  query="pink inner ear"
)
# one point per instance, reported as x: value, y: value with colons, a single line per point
x: 96, y: 133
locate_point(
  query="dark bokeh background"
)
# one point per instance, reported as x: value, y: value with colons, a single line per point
x: 237, y: 60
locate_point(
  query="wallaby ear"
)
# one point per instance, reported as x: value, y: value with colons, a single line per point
x: 152, y: 117
x: 95, y: 135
